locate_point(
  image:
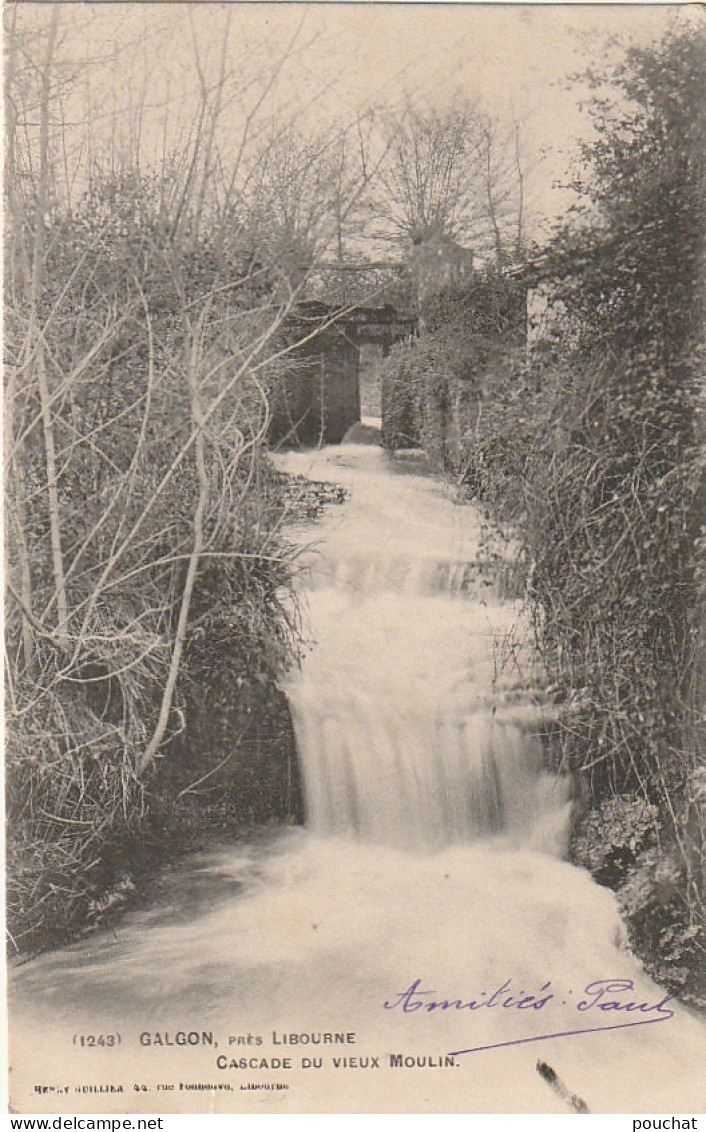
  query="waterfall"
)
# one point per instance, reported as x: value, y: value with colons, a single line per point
x: 433, y: 858
x: 417, y: 721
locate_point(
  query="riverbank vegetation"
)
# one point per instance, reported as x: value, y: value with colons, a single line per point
x: 149, y: 603
x: 155, y: 254
x: 166, y: 209
x: 591, y: 445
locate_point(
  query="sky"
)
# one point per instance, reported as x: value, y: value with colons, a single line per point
x: 334, y: 61
x: 516, y: 57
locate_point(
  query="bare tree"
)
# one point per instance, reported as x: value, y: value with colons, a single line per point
x: 456, y: 173
x: 307, y: 195
x: 503, y: 189
x: 429, y: 180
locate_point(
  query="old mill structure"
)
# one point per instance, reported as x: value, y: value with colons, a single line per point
x: 319, y: 398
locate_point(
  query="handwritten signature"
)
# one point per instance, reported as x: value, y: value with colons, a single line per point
x: 600, y: 998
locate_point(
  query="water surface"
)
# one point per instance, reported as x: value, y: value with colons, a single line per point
x: 432, y: 858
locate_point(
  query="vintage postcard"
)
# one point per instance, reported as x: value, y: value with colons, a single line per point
x: 354, y: 561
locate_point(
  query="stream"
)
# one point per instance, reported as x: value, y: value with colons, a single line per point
x: 421, y: 945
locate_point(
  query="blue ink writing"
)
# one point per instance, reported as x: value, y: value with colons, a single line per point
x: 414, y: 999
x: 600, y: 997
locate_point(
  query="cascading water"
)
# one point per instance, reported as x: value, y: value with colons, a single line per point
x: 424, y: 910
x: 415, y: 725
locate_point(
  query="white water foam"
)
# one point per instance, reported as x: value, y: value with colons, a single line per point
x: 432, y: 853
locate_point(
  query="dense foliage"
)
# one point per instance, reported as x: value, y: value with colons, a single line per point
x: 593, y: 446
x: 432, y: 388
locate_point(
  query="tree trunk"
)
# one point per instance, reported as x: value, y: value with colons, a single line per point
x: 197, y: 418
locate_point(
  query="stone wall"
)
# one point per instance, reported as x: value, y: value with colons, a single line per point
x: 318, y: 398
x: 341, y: 387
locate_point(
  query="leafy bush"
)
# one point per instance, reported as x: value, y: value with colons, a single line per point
x: 612, y: 836
x: 401, y: 395
x: 595, y: 450
x: 433, y: 388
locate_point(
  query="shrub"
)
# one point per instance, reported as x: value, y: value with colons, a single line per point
x: 146, y: 523
x: 595, y: 451
x: 433, y: 388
